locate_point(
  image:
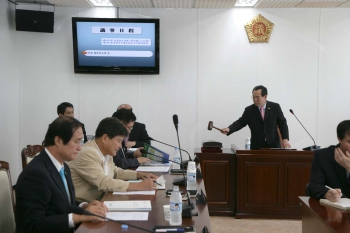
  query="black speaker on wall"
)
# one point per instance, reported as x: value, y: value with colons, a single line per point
x: 34, y: 21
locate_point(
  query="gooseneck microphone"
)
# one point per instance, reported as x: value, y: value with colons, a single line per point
x: 80, y: 211
x: 176, y: 121
x: 185, y: 162
x: 314, y: 147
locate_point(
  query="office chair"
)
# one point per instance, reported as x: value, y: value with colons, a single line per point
x: 7, y: 218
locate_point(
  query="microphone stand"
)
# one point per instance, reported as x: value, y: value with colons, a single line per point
x: 309, y: 148
x: 186, y: 209
x: 183, y: 164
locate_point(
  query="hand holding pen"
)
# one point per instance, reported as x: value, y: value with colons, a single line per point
x: 333, y: 195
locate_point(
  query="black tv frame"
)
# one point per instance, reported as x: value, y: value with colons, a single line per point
x: 115, y: 69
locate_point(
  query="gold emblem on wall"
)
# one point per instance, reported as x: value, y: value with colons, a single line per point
x: 259, y: 29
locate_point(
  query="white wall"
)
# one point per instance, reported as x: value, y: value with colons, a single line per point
x: 208, y: 69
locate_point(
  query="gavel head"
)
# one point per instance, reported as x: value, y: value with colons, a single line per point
x: 210, y: 125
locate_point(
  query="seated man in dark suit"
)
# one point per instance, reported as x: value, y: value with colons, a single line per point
x: 125, y: 159
x: 138, y: 135
x: 45, y: 191
x: 331, y: 167
x: 67, y: 109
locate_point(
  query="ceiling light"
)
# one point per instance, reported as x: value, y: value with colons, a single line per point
x: 246, y: 3
x: 101, y: 2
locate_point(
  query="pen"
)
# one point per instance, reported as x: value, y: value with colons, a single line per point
x: 333, y: 189
x: 154, y: 181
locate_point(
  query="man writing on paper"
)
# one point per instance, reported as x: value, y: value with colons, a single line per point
x: 44, y: 190
x: 93, y: 171
x: 138, y: 135
x: 125, y: 159
x: 263, y: 117
x: 331, y: 167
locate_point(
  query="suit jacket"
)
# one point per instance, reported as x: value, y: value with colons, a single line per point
x: 89, y: 178
x: 139, y: 135
x: 326, y: 171
x: 124, y: 160
x: 42, y: 203
x: 263, y: 129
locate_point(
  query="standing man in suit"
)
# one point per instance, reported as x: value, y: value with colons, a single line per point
x: 263, y: 117
x: 331, y: 167
x: 44, y: 190
x: 67, y: 109
x: 138, y: 135
x: 125, y: 159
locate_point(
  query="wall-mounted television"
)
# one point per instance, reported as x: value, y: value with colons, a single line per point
x: 116, y: 45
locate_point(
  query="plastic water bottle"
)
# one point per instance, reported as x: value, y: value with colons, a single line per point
x: 175, y: 207
x: 247, y: 143
x: 177, y: 159
x: 191, y: 176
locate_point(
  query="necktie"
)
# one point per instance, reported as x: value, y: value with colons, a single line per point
x: 262, y: 112
x: 64, y: 182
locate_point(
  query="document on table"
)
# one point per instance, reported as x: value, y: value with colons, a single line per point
x: 128, y: 205
x: 127, y: 216
x: 153, y: 169
x: 152, y: 192
x: 161, y: 180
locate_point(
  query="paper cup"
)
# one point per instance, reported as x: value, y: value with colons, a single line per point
x: 166, y: 212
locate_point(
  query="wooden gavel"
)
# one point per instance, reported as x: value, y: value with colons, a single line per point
x: 211, y: 126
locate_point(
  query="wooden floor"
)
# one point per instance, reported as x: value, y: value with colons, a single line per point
x: 232, y: 225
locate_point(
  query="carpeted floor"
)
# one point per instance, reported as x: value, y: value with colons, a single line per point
x: 232, y: 225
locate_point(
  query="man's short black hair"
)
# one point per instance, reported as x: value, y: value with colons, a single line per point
x: 262, y: 88
x: 112, y: 127
x: 125, y: 115
x: 64, y: 128
x: 343, y: 129
x: 63, y: 106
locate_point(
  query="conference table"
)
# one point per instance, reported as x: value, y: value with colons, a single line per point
x: 321, y: 218
x: 156, y: 216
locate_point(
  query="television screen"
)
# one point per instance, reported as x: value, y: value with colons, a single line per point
x: 116, y: 45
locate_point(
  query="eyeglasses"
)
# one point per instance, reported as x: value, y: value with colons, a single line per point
x: 129, y: 127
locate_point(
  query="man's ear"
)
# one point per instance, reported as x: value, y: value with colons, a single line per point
x: 58, y: 141
x: 60, y: 115
x: 104, y: 138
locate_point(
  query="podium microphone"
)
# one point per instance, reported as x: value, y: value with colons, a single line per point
x: 80, y: 211
x: 314, y: 147
x: 184, y: 164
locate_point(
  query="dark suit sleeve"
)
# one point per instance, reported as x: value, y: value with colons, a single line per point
x: 121, y: 162
x: 84, y: 132
x: 317, y: 182
x: 240, y: 123
x: 282, y: 123
x: 143, y: 137
x: 34, y: 195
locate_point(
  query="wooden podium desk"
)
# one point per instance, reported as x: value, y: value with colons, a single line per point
x: 156, y: 216
x: 270, y: 181
x: 219, y: 173
x: 317, y: 218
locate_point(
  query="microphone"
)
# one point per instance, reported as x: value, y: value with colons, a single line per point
x: 176, y: 121
x: 184, y: 164
x: 80, y: 211
x: 314, y: 147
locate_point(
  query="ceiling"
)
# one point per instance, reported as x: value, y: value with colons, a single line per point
x: 199, y: 4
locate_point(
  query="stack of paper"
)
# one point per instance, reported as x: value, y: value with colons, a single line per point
x: 343, y: 203
x: 128, y: 205
x: 153, y: 169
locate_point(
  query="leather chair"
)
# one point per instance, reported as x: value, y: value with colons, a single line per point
x: 7, y: 218
x: 29, y: 153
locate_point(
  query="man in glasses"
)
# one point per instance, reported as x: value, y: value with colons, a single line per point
x: 264, y: 118
x: 125, y: 159
x: 138, y: 135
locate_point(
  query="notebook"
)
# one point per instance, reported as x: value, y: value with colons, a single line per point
x: 343, y: 203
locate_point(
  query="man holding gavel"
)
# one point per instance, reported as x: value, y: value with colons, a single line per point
x: 263, y: 118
